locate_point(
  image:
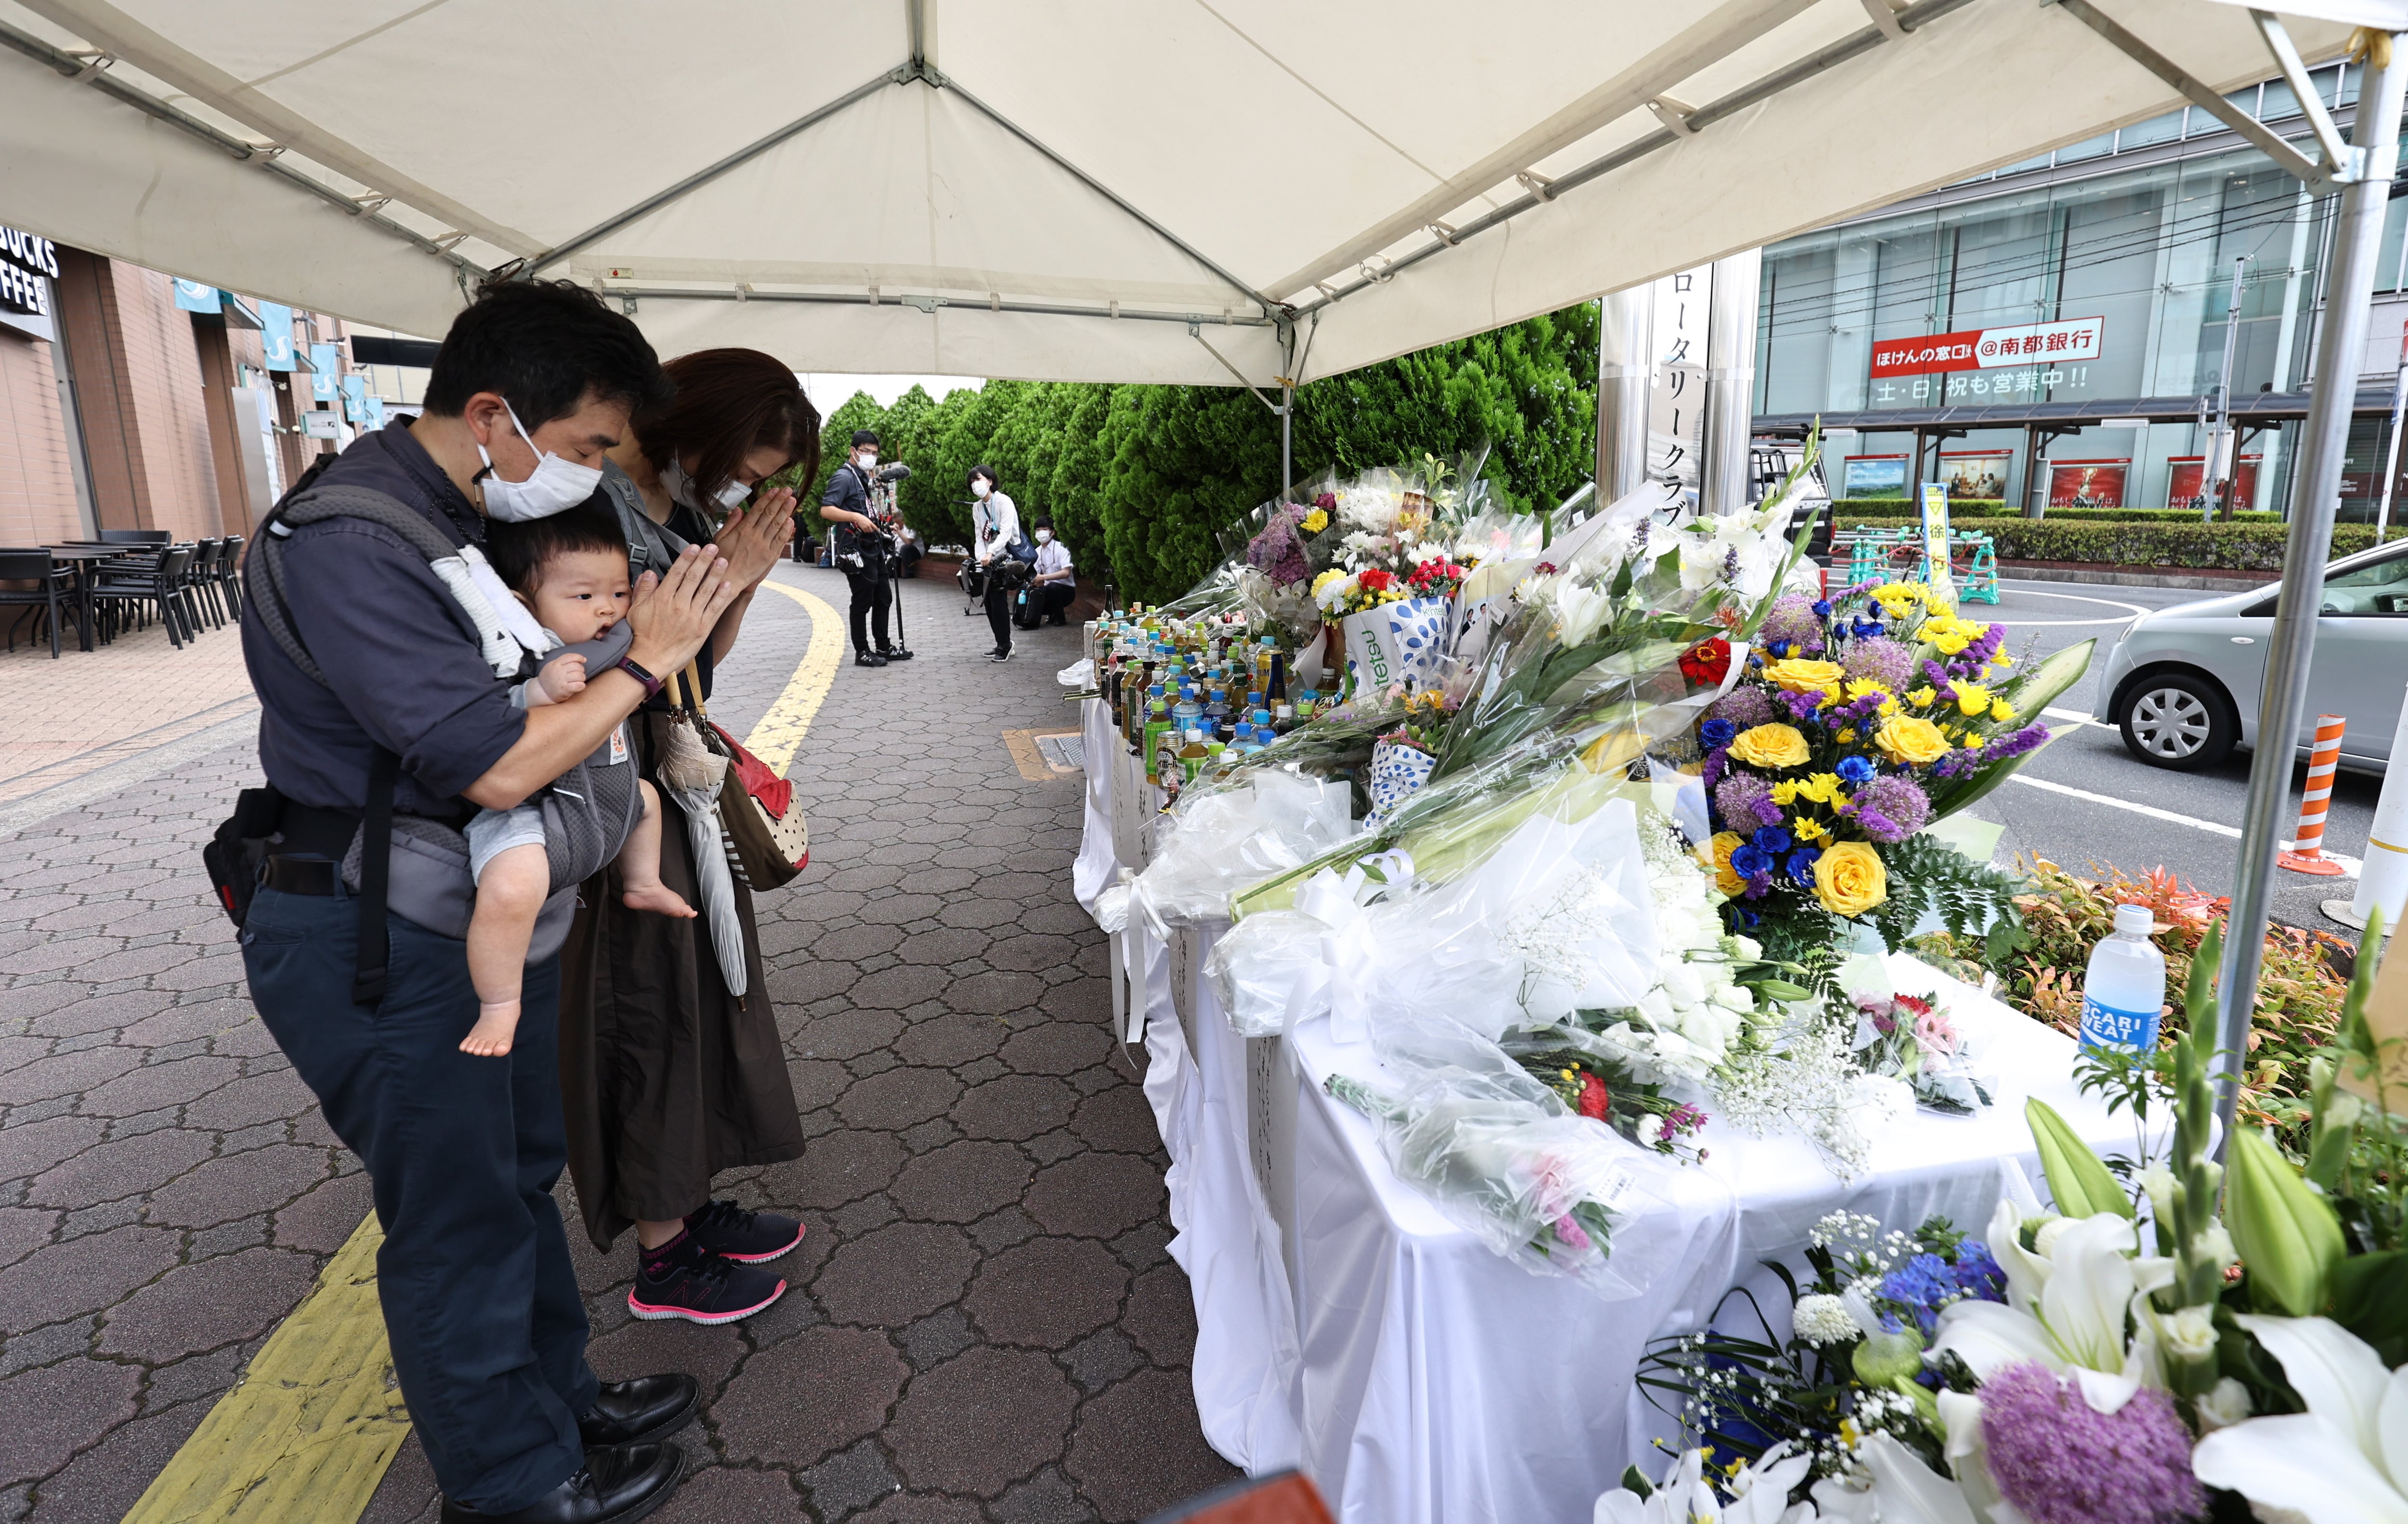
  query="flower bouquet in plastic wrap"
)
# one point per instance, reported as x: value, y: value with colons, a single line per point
x: 1855, y: 723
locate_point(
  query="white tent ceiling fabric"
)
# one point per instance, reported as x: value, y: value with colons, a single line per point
x: 1051, y: 189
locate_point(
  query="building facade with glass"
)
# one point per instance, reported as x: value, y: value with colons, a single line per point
x: 2056, y: 329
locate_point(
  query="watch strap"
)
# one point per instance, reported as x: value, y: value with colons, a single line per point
x: 652, y: 684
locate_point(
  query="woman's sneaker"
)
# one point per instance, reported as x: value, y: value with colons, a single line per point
x: 690, y: 1282
x: 749, y: 1238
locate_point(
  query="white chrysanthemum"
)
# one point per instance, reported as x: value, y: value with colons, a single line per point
x: 1821, y: 1320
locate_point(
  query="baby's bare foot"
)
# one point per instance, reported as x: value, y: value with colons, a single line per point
x: 496, y: 1025
x: 657, y: 898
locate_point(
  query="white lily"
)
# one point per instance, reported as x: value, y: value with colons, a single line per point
x: 1902, y: 1490
x: 2342, y: 1462
x: 2066, y: 1310
x: 1581, y: 610
x: 1760, y: 1495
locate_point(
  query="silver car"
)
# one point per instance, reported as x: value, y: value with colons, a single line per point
x: 2182, y: 683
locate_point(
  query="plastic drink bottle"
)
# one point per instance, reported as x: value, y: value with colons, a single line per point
x: 1276, y: 689
x: 1191, y: 756
x: 1187, y: 713
x: 1283, y: 719
x: 1156, y: 726
x: 2124, y: 989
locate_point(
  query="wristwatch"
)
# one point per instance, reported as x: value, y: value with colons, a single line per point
x: 652, y: 684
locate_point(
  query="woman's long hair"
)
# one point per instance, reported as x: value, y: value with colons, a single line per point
x: 729, y: 403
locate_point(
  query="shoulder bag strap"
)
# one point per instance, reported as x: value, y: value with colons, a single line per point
x: 375, y: 865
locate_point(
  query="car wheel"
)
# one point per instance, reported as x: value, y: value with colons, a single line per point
x: 2173, y: 720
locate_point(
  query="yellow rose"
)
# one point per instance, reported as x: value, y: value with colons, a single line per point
x: 1798, y: 674
x: 1849, y: 878
x: 1723, y: 846
x: 1770, y: 746
x: 1905, y: 738
x: 1808, y: 829
x: 1316, y: 521
x: 1971, y: 698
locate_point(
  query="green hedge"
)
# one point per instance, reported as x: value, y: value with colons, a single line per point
x: 1898, y: 507
x: 2235, y: 547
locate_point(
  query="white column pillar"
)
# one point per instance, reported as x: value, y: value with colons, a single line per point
x: 1730, y: 383
x: 1626, y: 375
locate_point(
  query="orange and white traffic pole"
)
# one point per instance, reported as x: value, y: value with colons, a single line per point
x: 2324, y: 759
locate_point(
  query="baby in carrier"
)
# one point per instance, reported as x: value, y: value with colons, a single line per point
x: 570, y: 571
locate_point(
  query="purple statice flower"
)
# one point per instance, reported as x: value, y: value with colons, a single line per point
x: 1881, y: 661
x: 1970, y: 661
x: 1792, y: 619
x: 1745, y: 706
x: 1759, y: 884
x: 1278, y: 552
x: 2015, y: 744
x: 1891, y: 809
x: 1803, y: 705
x: 1936, y: 675
x: 1711, y: 772
x: 2062, y: 1461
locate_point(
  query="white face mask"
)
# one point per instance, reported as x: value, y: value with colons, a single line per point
x: 1044, y: 537
x: 682, y: 487
x: 981, y: 487
x: 868, y: 459
x: 556, y: 485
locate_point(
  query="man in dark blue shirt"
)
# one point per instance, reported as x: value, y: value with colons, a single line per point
x: 533, y: 383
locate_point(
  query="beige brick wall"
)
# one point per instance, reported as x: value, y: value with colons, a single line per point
x: 38, y: 499
x: 163, y: 374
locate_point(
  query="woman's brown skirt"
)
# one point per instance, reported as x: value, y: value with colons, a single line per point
x: 667, y: 1078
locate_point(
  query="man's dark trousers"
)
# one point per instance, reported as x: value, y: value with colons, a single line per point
x: 871, y: 595
x: 480, y: 1304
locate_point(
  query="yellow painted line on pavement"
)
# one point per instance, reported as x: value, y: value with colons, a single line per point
x: 311, y: 1429
x: 317, y: 1418
x: 775, y: 740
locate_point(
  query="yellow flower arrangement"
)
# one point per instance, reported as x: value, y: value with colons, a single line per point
x: 1849, y: 878
x: 1801, y: 674
x: 1904, y: 739
x: 1820, y: 788
x: 1332, y: 575
x: 1808, y: 829
x: 1722, y: 847
x: 1922, y: 697
x: 1774, y: 746
x: 1785, y: 793
x: 1316, y: 521
x: 1972, y: 700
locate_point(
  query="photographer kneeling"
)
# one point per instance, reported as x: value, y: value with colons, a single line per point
x: 1055, y: 583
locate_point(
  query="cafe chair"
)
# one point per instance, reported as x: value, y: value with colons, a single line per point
x: 135, y: 536
x: 1284, y: 1497
x: 30, y: 580
x: 230, y: 576
x: 200, y: 590
x: 132, y: 587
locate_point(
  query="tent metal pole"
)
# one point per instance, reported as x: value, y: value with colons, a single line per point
x: 1626, y: 375
x: 1730, y: 383
x: 1287, y: 443
x: 2341, y: 341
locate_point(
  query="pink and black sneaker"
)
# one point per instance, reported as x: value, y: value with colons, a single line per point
x: 683, y: 1279
x: 749, y: 1238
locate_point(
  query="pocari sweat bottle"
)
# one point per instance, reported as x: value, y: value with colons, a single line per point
x: 2124, y: 986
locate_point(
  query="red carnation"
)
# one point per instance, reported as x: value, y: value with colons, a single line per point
x: 1594, y: 1100
x: 1708, y: 662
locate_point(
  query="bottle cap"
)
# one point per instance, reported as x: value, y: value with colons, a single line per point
x: 1286, y: 710
x: 2134, y: 920
x: 1262, y: 717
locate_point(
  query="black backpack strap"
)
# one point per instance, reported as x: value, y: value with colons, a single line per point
x: 376, y: 870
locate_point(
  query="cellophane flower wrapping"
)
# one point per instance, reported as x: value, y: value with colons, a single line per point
x: 1224, y: 841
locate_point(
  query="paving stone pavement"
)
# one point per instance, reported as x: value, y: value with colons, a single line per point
x: 984, y: 1324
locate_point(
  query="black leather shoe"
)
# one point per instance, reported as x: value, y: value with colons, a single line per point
x: 867, y: 658
x: 619, y: 1485
x: 895, y: 653
x: 640, y: 1410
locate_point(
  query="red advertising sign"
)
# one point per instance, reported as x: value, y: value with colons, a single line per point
x: 2188, y: 484
x: 2086, y: 484
x: 1987, y: 349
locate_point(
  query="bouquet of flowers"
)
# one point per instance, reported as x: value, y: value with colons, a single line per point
x: 1604, y: 1091
x: 1912, y: 1038
x: 1860, y: 721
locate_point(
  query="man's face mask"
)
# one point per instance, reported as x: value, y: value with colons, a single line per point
x: 868, y: 459
x: 1044, y: 537
x: 556, y: 485
x: 682, y: 487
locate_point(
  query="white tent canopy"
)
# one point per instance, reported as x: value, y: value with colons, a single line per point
x: 1114, y: 190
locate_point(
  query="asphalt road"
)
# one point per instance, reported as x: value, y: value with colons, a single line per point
x: 2078, y: 833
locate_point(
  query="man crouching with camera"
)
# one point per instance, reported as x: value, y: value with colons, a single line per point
x: 859, y: 503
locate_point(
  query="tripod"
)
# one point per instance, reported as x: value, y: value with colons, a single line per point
x: 895, y: 586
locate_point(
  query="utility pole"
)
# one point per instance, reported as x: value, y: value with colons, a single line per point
x: 2391, y: 455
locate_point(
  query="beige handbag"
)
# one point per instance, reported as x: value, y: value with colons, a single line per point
x: 763, y: 819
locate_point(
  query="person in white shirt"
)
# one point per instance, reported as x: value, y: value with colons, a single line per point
x: 1055, y: 585
x: 994, y: 535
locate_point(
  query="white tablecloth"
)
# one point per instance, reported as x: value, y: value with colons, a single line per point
x: 1347, y: 1326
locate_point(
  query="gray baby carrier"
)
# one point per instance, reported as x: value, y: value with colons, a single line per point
x: 422, y: 868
